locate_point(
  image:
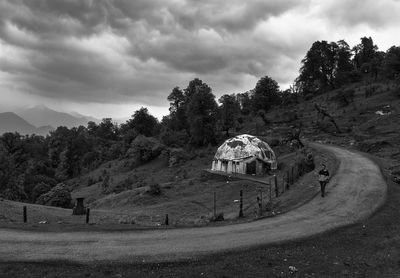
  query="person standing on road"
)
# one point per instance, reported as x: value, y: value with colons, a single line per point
x: 323, y: 177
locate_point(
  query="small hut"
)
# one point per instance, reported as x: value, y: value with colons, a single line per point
x: 244, y: 154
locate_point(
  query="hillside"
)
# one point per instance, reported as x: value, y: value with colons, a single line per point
x: 41, y: 115
x: 370, y: 122
x: 11, y: 122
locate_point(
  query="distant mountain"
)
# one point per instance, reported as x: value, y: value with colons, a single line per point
x: 41, y: 115
x: 11, y: 122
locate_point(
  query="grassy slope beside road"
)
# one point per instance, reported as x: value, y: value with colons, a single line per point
x: 355, y: 192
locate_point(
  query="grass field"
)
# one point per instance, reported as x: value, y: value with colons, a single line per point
x: 189, y: 202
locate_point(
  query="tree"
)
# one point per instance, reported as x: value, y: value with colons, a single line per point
x: 319, y: 67
x: 142, y: 122
x: 176, y: 99
x: 228, y: 112
x: 245, y: 102
x: 40, y: 189
x: 288, y: 97
x: 364, y: 53
x: 266, y: 94
x: 392, y: 62
x: 344, y: 65
x: 58, y: 196
x: 201, y: 111
x: 177, y: 118
x: 107, y: 129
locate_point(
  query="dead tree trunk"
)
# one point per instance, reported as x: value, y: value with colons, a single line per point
x: 324, y: 114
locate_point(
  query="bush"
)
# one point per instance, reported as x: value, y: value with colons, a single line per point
x: 90, y: 181
x: 40, y: 189
x: 218, y: 217
x: 178, y: 156
x: 58, y: 196
x: 144, y: 149
x: 154, y: 189
x: 105, y: 184
x: 123, y: 185
x: 306, y: 164
x: 344, y: 97
x: 273, y: 142
x: 173, y: 138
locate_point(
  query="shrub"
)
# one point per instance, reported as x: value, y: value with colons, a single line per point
x: 58, y: 196
x: 306, y: 164
x: 178, y: 156
x: 90, y: 181
x: 40, y: 189
x: 144, y: 149
x: 154, y: 189
x: 105, y: 184
x: 218, y: 217
x: 344, y: 97
x: 123, y: 185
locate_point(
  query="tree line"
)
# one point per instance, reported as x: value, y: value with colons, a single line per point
x: 329, y: 66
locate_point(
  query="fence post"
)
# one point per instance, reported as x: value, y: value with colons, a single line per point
x: 276, y: 186
x: 287, y: 179
x: 25, y: 214
x: 270, y: 191
x: 292, y: 175
x: 215, y: 204
x: 166, y: 220
x: 241, y: 204
x: 87, y: 215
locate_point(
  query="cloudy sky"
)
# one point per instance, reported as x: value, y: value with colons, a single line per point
x: 110, y: 57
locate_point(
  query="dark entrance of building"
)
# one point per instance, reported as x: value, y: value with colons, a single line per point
x: 251, y: 168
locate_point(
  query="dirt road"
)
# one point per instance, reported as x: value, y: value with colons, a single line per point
x: 356, y: 191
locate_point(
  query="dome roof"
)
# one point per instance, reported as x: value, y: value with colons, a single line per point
x: 245, y: 146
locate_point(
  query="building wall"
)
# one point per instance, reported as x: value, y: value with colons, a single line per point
x: 239, y: 167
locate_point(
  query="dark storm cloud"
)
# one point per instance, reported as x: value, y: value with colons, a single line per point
x: 120, y: 50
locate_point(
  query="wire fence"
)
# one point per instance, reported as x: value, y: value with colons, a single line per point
x: 249, y: 203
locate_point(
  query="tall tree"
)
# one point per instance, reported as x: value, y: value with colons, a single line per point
x: 392, y: 62
x: 266, y: 94
x: 177, y: 113
x: 228, y: 112
x: 318, y: 70
x: 142, y: 122
x: 201, y: 112
x: 364, y: 53
x: 344, y: 65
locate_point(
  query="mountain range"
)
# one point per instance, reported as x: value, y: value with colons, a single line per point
x: 41, y: 115
x: 40, y: 120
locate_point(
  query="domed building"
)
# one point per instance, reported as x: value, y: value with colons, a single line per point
x: 244, y: 154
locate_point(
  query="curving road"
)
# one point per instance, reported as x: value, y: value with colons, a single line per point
x: 353, y: 194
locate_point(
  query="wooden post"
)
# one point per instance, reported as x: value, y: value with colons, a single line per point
x: 287, y: 179
x: 283, y: 183
x: 241, y: 204
x: 87, y: 215
x: 276, y: 186
x: 25, y: 214
x: 270, y: 191
x: 215, y: 204
x: 292, y: 182
x: 166, y: 220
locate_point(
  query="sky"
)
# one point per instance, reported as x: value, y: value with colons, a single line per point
x: 108, y: 58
